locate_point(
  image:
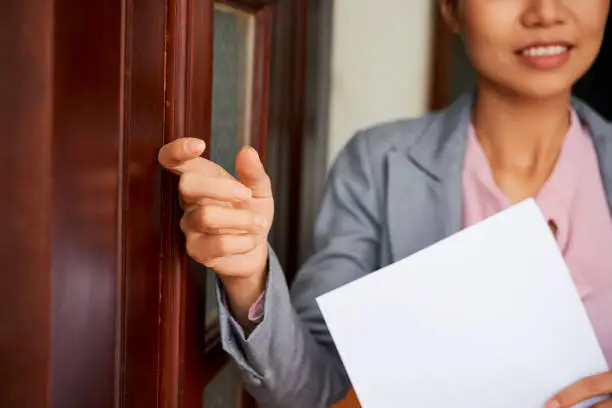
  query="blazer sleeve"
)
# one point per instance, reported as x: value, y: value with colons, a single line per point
x: 289, y: 360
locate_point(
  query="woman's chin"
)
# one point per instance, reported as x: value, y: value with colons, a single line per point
x: 536, y: 87
x: 542, y: 90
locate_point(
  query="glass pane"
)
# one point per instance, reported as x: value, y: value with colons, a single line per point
x: 231, y: 100
x: 232, y: 76
x: 224, y: 391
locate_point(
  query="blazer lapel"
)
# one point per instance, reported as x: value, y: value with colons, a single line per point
x: 601, y: 132
x: 424, y: 190
x: 424, y: 199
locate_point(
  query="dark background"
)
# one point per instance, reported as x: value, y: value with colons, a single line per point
x: 596, y: 86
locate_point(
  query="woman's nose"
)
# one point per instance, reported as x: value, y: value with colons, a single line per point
x: 544, y: 13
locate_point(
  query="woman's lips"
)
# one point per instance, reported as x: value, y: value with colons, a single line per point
x: 545, y: 56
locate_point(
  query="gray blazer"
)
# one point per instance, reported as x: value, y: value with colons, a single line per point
x: 394, y: 189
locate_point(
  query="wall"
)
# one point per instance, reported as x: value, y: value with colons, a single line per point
x: 381, y: 54
x: 368, y: 62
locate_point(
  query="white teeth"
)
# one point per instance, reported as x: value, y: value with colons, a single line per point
x: 545, y: 51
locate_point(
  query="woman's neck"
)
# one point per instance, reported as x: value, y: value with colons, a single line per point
x: 519, y: 135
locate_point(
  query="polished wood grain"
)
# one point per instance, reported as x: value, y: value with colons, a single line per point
x: 87, y: 144
x: 108, y: 126
x: 173, y: 256
x: 81, y: 202
x: 139, y: 268
x: 26, y: 85
x: 188, y: 81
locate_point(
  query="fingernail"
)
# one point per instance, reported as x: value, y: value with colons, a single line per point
x: 242, y: 193
x: 254, y: 150
x: 195, y: 146
x: 553, y: 404
x: 260, y: 222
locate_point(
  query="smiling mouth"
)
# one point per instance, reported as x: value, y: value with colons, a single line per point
x: 545, y: 56
x: 545, y: 50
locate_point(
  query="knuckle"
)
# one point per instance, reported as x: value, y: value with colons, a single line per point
x: 210, y: 263
x: 244, y: 218
x: 198, y: 250
x: 247, y: 243
x: 183, y: 189
x: 185, y: 183
x: 224, y: 244
x: 206, y: 216
x: 192, y: 247
x: 251, y: 243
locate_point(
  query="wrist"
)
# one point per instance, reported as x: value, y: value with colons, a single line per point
x: 243, y: 291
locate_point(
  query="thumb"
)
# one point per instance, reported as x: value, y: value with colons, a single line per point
x: 251, y: 173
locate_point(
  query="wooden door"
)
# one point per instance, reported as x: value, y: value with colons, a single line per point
x: 84, y: 240
x: 99, y: 305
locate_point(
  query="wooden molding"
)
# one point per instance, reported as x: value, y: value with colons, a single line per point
x: 188, y: 84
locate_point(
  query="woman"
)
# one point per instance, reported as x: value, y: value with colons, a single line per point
x: 399, y: 187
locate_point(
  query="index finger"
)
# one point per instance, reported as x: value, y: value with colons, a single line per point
x: 582, y: 390
x: 179, y: 151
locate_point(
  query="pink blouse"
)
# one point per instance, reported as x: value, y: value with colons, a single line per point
x: 573, y: 198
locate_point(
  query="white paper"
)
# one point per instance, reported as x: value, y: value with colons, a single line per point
x: 488, y: 317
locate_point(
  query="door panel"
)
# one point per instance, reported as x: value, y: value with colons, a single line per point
x: 81, y: 202
x: 25, y: 196
x: 87, y: 140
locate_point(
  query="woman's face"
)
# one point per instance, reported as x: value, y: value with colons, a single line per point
x: 534, y: 48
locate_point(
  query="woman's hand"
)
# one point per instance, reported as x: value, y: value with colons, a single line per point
x: 226, y: 221
x: 585, y: 389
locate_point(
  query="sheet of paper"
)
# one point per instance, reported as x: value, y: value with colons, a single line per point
x: 488, y: 317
